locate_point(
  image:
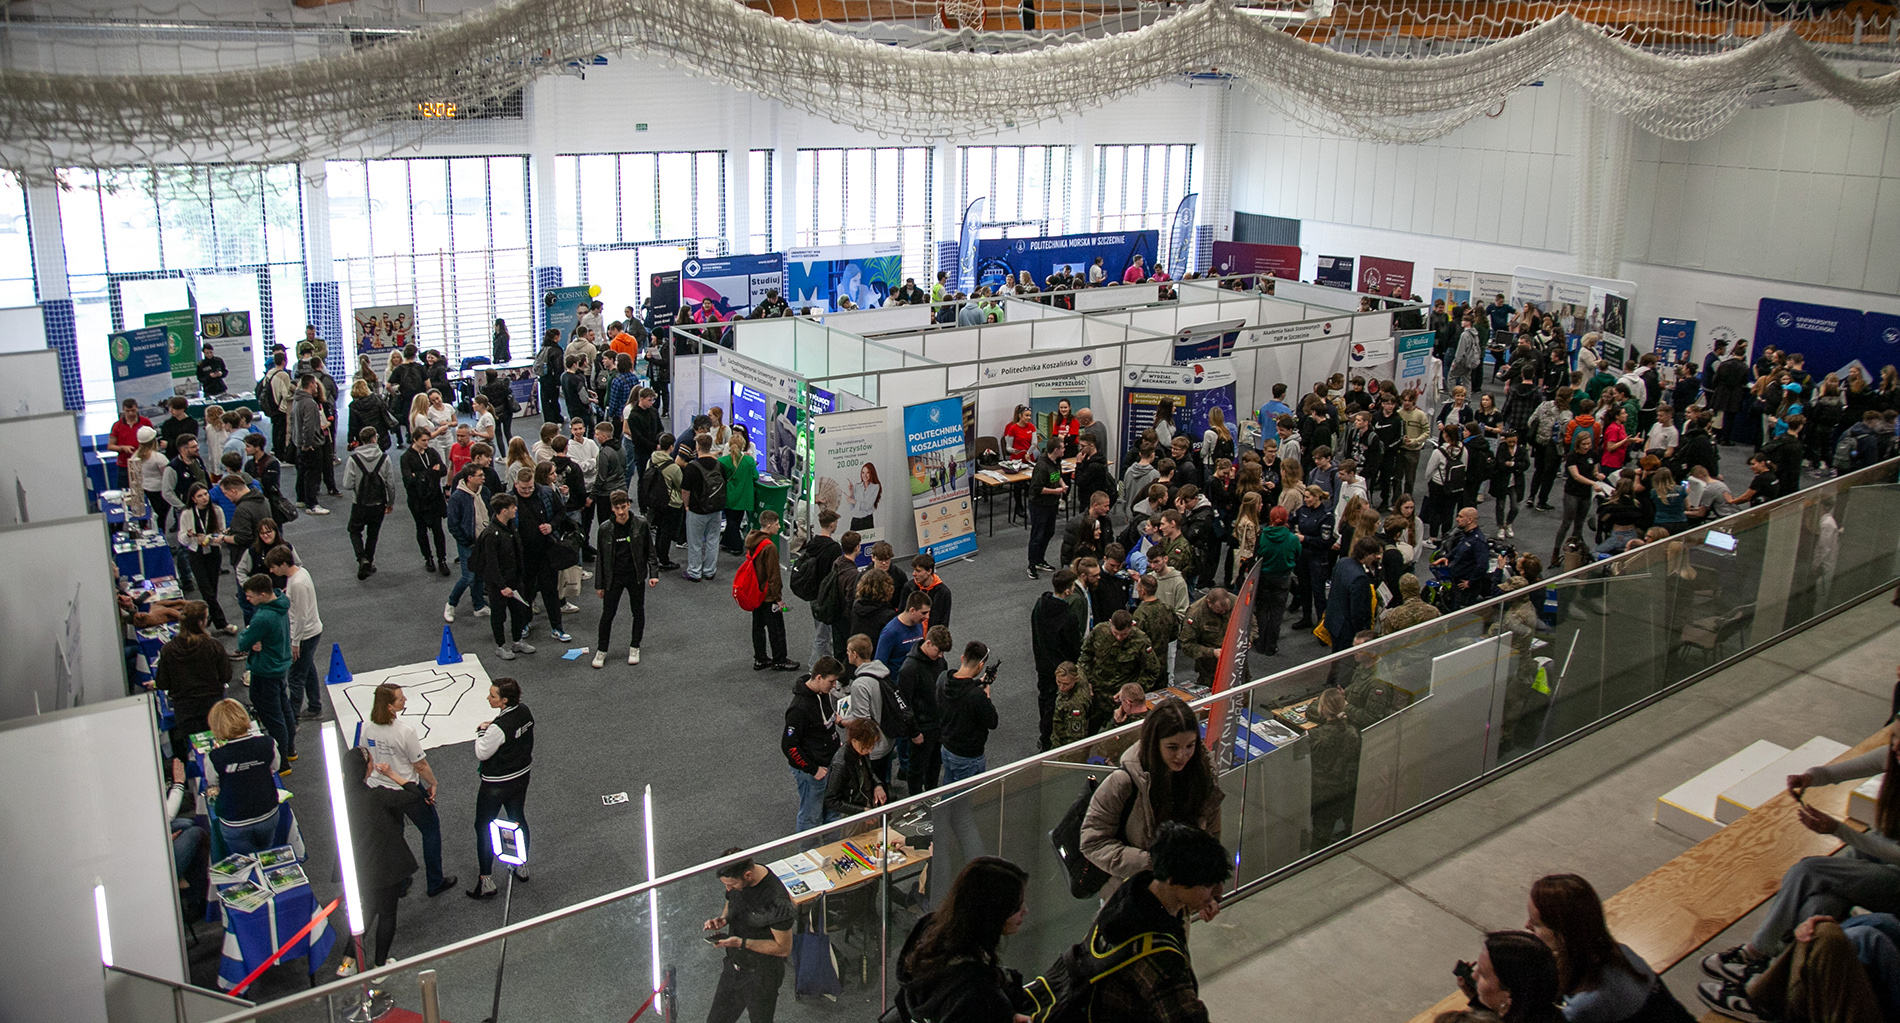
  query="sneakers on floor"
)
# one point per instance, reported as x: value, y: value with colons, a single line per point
x: 505, y: 653
x: 443, y: 567
x: 784, y: 665
x: 633, y: 655
x: 1730, y: 999
x: 585, y: 574
x: 521, y: 873
x: 523, y: 647
x: 448, y: 612
x: 481, y: 612
x: 484, y: 889
x: 1732, y: 964
x: 600, y: 658
x: 559, y: 636
x: 569, y: 608
x: 1032, y: 572
x: 230, y: 630
x: 316, y: 509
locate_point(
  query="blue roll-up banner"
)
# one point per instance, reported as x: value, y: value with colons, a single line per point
x: 937, y: 456
x: 1830, y: 336
x: 1193, y: 389
x: 141, y: 365
x: 734, y: 284
x: 1674, y: 339
x: 967, y: 243
x: 1335, y: 272
x: 999, y: 258
x: 1181, y: 237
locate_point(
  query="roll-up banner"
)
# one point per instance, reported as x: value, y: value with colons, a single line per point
x: 1535, y: 290
x: 967, y: 244
x: 1181, y: 237
x: 1335, y: 272
x: 1381, y: 276
x: 1490, y: 286
x: 1046, y: 398
x: 1674, y: 339
x: 1414, y: 354
x: 181, y: 343
x: 663, y: 298
x: 852, y: 469
x: 141, y: 366
x: 1282, y: 261
x: 381, y: 329
x: 937, y: 455
x: 1452, y: 287
x: 1193, y: 389
x: 228, y: 336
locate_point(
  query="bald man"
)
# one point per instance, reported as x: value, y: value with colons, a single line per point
x: 1467, y: 558
x: 1091, y: 428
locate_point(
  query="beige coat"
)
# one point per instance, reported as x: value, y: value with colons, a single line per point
x: 1123, y: 851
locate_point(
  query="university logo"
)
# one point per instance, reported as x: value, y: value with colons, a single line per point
x: 121, y: 348
x: 692, y: 268
x: 1199, y: 372
x: 936, y: 414
x: 1891, y: 335
x: 1088, y: 360
x: 1326, y: 328
x: 1373, y: 278
x: 1784, y: 320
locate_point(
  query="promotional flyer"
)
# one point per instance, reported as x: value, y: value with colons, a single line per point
x: 998, y: 258
x: 824, y: 278
x: 181, y: 343
x: 939, y: 467
x: 141, y: 366
x: 380, y: 329
x: 1192, y: 390
x: 852, y: 467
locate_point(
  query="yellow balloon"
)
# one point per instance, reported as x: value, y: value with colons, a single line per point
x: 593, y: 291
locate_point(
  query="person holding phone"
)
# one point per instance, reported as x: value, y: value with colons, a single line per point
x: 758, y: 916
x: 201, y: 534
x: 1515, y: 976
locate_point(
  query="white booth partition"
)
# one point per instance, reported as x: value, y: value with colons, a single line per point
x: 882, y: 320
x: 65, y: 650
x: 22, y: 329
x: 42, y: 477
x: 29, y: 384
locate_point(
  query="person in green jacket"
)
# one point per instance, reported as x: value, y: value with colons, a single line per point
x: 266, y: 644
x: 741, y: 470
x: 1072, y: 720
x: 1277, y: 554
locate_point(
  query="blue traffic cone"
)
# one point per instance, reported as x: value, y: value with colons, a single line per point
x: 339, y: 672
x: 449, y: 654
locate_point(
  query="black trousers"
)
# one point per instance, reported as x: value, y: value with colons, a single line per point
x: 427, y: 526
x: 543, y: 581
x: 508, y: 615
x: 752, y: 991
x: 1270, y: 601
x: 1046, y: 703
x: 635, y: 587
x: 310, y: 463
x: 587, y: 523
x: 381, y: 903
x: 1545, y: 476
x: 205, y: 566
x: 551, y: 399
x: 498, y: 799
x: 279, y: 434
x: 768, y: 625
x: 926, y: 763
x: 328, y: 449
x: 504, y: 428
x: 366, y: 524
x: 732, y: 539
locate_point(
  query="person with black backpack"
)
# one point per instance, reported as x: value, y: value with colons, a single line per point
x: 948, y: 970
x: 1134, y: 964
x: 703, y: 487
x: 831, y: 608
x: 917, y: 686
x: 371, y: 477
x: 810, y: 567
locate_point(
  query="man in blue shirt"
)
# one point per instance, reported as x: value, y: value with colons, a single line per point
x: 1271, y: 412
x: 1501, y: 312
x: 902, y: 633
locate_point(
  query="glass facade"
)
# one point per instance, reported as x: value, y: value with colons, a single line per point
x: 855, y: 196
x: 623, y: 216
x: 1028, y: 188
x: 16, y: 245
x: 1138, y: 187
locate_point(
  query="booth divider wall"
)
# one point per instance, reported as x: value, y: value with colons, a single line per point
x: 29, y: 384
x: 42, y: 477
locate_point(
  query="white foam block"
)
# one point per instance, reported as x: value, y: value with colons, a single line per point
x: 1689, y: 808
x: 1861, y: 801
x: 1758, y: 788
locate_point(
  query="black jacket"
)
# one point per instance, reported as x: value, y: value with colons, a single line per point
x: 538, y: 548
x: 383, y: 858
x: 370, y: 411
x: 423, y: 476
x: 643, y: 425
x: 1054, y: 634
x: 639, y: 538
x: 1110, y: 595
x: 849, y: 784
x: 968, y: 716
x: 1087, y: 538
x: 917, y: 684
x: 250, y: 509
x: 1091, y: 476
x: 810, y: 742
x: 967, y: 989
x: 869, y: 618
x: 499, y: 554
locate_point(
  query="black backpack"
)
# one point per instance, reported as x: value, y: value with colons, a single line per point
x: 370, y: 487
x: 266, y: 399
x: 894, y: 716
x: 1085, y: 878
x: 1066, y: 993
x: 1455, y: 472
x: 653, y: 491
x: 711, y: 498
x: 808, y: 571
x: 828, y: 605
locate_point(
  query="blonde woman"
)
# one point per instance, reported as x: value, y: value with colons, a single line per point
x: 215, y: 433
x: 1217, y: 441
x: 441, y: 416
x: 419, y: 425
x: 741, y: 468
x: 518, y: 457
x: 1292, y: 485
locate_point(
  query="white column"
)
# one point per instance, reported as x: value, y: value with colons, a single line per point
x: 53, y: 287
x: 1081, y: 180
x: 786, y: 215
x: 544, y: 118
x: 1214, y: 177
x: 739, y: 173
x: 1601, y: 211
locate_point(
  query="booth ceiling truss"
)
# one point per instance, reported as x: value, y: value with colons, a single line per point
x: 368, y: 95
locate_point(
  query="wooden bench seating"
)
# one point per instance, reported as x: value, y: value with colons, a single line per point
x: 1675, y: 909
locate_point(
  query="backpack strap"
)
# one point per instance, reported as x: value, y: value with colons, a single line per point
x: 1105, y: 962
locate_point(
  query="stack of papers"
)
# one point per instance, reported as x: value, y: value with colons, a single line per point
x: 802, y: 874
x: 233, y: 869
x: 244, y: 896
x: 285, y: 877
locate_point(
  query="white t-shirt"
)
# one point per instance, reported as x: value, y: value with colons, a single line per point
x: 1662, y: 438
x: 484, y: 427
x: 394, y: 744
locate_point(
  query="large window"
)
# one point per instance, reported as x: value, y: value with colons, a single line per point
x: 449, y: 235
x: 1137, y: 187
x: 759, y: 174
x: 855, y: 196
x: 1027, y: 186
x: 16, y: 247
x: 152, y: 239
x: 625, y: 216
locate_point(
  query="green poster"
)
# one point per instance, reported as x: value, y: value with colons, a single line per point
x: 181, y: 336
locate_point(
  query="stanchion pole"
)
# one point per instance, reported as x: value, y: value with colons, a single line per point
x: 507, y: 897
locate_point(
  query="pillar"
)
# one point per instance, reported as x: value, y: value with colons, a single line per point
x: 545, y: 120
x: 54, y: 290
x: 322, y: 299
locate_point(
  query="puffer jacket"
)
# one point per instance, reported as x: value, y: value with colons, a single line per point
x: 1122, y: 850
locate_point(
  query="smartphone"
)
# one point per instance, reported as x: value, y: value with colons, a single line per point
x: 1462, y: 971
x: 989, y: 673
x: 715, y: 938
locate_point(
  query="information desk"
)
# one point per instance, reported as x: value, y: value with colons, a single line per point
x: 989, y: 481
x: 833, y: 869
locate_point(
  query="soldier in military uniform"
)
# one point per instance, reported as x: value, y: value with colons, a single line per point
x: 1205, y: 632
x: 1411, y: 609
x: 1158, y: 621
x: 1174, y: 543
x: 1073, y: 697
x: 1369, y: 698
x: 1116, y: 653
x: 1131, y: 704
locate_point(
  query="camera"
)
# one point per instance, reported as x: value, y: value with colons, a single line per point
x: 989, y: 673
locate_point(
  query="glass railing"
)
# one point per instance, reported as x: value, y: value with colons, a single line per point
x: 1475, y: 692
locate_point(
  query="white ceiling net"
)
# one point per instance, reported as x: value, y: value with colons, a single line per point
x: 315, y: 106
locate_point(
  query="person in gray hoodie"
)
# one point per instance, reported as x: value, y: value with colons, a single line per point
x: 309, y: 436
x: 1136, y: 478
x: 1468, y: 361
x: 863, y: 697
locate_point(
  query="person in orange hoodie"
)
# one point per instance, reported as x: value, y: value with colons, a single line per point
x: 924, y: 579
x: 768, y: 619
x: 623, y: 342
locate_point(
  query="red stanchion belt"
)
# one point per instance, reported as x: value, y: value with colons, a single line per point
x: 279, y: 954
x: 644, y: 1006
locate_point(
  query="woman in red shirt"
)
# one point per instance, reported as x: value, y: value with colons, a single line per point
x: 1019, y: 437
x: 1616, y: 439
x: 125, y: 436
x: 1065, y: 429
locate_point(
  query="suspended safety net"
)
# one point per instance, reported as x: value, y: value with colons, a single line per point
x: 1356, y: 70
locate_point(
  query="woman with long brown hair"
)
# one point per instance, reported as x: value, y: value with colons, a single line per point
x: 949, y: 970
x: 193, y: 670
x: 1168, y: 777
x: 1602, y: 980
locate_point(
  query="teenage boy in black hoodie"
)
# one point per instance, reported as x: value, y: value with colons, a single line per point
x: 1055, y: 636
x: 811, y: 738
x: 917, y: 684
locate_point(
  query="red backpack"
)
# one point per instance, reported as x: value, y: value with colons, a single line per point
x: 746, y: 588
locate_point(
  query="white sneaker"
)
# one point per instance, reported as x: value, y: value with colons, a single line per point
x: 505, y: 653
x: 230, y: 630
x: 633, y: 655
x: 448, y: 612
x: 481, y: 612
x: 317, y: 509
x: 585, y: 574
x: 600, y: 658
x: 568, y: 608
x: 523, y: 648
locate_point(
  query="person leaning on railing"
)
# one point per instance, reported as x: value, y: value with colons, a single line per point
x: 1165, y: 776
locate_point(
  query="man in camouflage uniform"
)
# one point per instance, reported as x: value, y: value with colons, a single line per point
x: 1205, y: 632
x: 1369, y: 698
x: 1131, y: 704
x: 1071, y: 720
x: 1158, y: 621
x: 1411, y: 609
x: 1115, y: 653
x: 1174, y: 543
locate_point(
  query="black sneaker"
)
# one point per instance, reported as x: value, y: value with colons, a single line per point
x: 1045, y: 566
x: 362, y: 570
x: 1032, y: 573
x: 1730, y: 999
x: 447, y: 884
x: 1732, y: 965
x: 761, y: 665
x: 785, y: 665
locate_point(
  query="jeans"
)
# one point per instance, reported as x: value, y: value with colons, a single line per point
x: 365, y: 517
x: 468, y: 582
x: 821, y: 644
x: 1576, y: 509
x: 635, y: 588
x: 249, y: 838
x: 1830, y: 886
x: 811, y: 800
x: 423, y: 816
x: 1042, y: 527
x: 957, y: 812
x: 303, y: 678
x: 507, y: 799
x: 185, y: 846
x: 268, y: 703
x: 956, y: 768
x: 1876, y: 940
x: 702, y: 545
x: 768, y: 628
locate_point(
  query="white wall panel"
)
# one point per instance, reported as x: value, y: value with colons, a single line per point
x: 1883, y: 253
x: 1847, y: 257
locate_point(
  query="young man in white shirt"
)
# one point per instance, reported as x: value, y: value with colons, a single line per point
x: 1707, y: 497
x: 1663, y: 436
x: 393, y: 743
x: 306, y: 633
